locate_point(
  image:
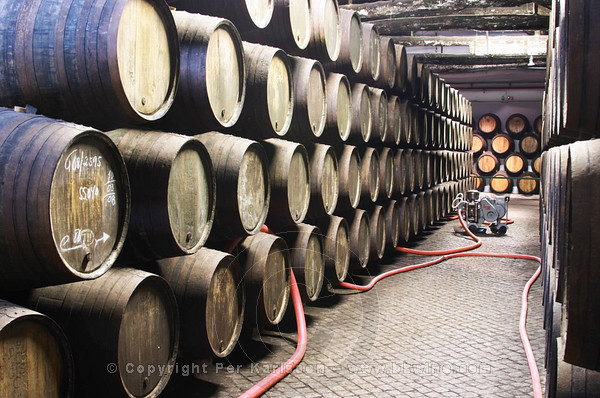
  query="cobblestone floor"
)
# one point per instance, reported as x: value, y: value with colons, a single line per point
x: 450, y: 330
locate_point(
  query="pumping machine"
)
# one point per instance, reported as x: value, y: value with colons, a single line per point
x: 478, y: 212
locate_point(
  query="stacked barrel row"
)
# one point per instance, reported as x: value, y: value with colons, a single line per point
x: 510, y: 158
x: 362, y: 161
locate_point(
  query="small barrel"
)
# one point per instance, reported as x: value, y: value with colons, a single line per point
x: 324, y: 180
x: 64, y: 202
x: 306, y: 247
x: 212, y: 77
x: 173, y: 193
x: 489, y: 124
x: 349, y: 168
x: 530, y: 145
x: 243, y: 188
x: 536, y: 165
x: 34, y: 355
x: 310, y: 102
x: 339, y: 109
x: 377, y: 232
x: 501, y: 183
x: 371, y: 42
x: 515, y: 164
x: 537, y: 125
x: 488, y: 164
x: 360, y: 240
x: 326, y: 36
x: 502, y: 145
x: 479, y: 145
x: 103, y: 64
x: 336, y: 247
x: 517, y: 125
x: 369, y: 176
x: 401, y: 82
x: 270, y: 90
x: 245, y: 14
x: 528, y: 184
x: 289, y: 174
x: 379, y: 107
x: 350, y: 58
x: 392, y: 223
x: 211, y: 300
x: 387, y: 66
x: 394, y: 126
x: 266, y: 268
x: 404, y: 221
x: 127, y: 319
x: 362, y: 119
x: 386, y: 174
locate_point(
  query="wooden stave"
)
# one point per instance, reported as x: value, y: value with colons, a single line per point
x: 344, y: 64
x: 371, y: 41
x: 318, y: 47
x: 387, y: 67
x: 392, y: 223
x: 334, y: 249
x: 362, y: 120
x: 334, y: 132
x: 379, y: 108
x: 393, y: 132
x: 377, y: 233
x: 369, y: 176
x: 319, y: 205
x: 359, y: 238
x: 386, y: 174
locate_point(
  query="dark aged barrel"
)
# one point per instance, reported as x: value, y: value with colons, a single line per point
x: 377, y: 229
x: 360, y: 240
x: 400, y: 177
x: 401, y: 82
x: 289, y: 174
x: 488, y: 164
x: 266, y: 268
x: 34, y: 355
x: 126, y: 320
x: 64, y: 202
x: 349, y: 167
x: 405, y: 122
x: 414, y: 213
x: 479, y: 145
x: 404, y: 221
x: 392, y: 223
x: 172, y: 193
x: 421, y: 208
x: 394, y: 125
x: 324, y: 180
x: 362, y: 119
x: 537, y: 125
x: 336, y: 252
x: 326, y: 36
x: 310, y: 102
x: 502, y: 145
x: 369, y: 71
x: 387, y: 67
x: 339, y: 109
x: 351, y: 50
x: 212, y: 76
x: 305, y: 244
x: 211, y: 301
x: 369, y: 176
x: 515, y: 164
x: 501, y: 183
x: 379, y: 107
x: 270, y: 90
x: 386, y: 174
x: 245, y: 14
x: 530, y: 145
x: 489, y: 124
x: 528, y: 183
x: 243, y: 188
x: 105, y: 64
x: 517, y: 125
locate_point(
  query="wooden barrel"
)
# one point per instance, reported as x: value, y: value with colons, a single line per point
x: 128, y: 320
x: 502, y: 145
x: 212, y: 75
x: 387, y: 67
x: 537, y: 125
x: 266, y: 268
x: 386, y: 174
x: 104, y: 64
x: 34, y: 355
x: 401, y: 82
x: 399, y: 174
x: 324, y: 180
x: 421, y: 208
x: 64, y: 202
x: 487, y: 164
x: 536, y: 165
x: 489, y: 124
x: 528, y: 184
x: 336, y: 247
x: 306, y: 247
x: 501, y: 183
x: 405, y: 122
x: 409, y: 170
x: 379, y: 108
x: 360, y: 239
x: 339, y: 109
x: 479, y: 145
x: 289, y: 174
x: 418, y: 169
x: 362, y: 114
x: 393, y: 132
x: 416, y: 125
x: 326, y: 36
x: 350, y: 59
x: 211, y: 301
x: 478, y: 182
x: 349, y: 167
x: 429, y: 208
x: 245, y: 14
x: 371, y: 60
x: 515, y: 164
x: 530, y: 145
x: 243, y: 188
x: 517, y: 125
x: 310, y: 102
x: 415, y: 214
x: 377, y: 229
x: 369, y: 176
x: 404, y: 221
x: 173, y: 193
x: 271, y: 90
x: 392, y: 223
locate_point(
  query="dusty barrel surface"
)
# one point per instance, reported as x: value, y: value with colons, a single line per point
x: 350, y: 58
x: 103, y: 64
x: 243, y: 189
x: 339, y: 109
x: 172, y: 193
x: 34, y: 354
x: 245, y: 14
x: 349, y: 167
x: 392, y: 223
x: 266, y: 268
x: 128, y: 318
x: 360, y: 239
x: 386, y: 174
x: 336, y: 247
x: 377, y: 232
x: 324, y: 180
x: 379, y: 108
x: 369, y: 176
x: 361, y: 124
x: 211, y: 301
x: 212, y: 77
x: 65, y: 202
x: 393, y: 134
x: 326, y: 36
x: 404, y: 221
x: 387, y: 67
x: 369, y: 71
x: 310, y: 100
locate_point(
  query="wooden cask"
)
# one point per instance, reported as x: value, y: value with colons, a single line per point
x: 339, y: 110
x: 128, y: 320
x: 211, y: 301
x: 502, y: 145
x: 350, y: 59
x: 421, y: 209
x: 64, y: 202
x: 401, y: 82
x: 379, y: 107
x: 538, y: 125
x: 362, y: 114
x: 387, y: 66
x: 489, y: 124
x: 487, y: 164
x: 377, y: 232
x: 528, y: 184
x: 414, y: 211
x: 289, y: 174
x: 386, y: 174
x: 324, y: 180
x: 310, y: 101
x: 266, y: 268
x: 360, y: 238
x: 536, y: 165
x: 242, y: 185
x: 212, y: 75
x: 416, y: 125
x: 369, y: 71
x: 326, y: 36
x: 336, y: 247
x: 478, y: 182
x: 517, y: 125
x: 392, y: 223
x: 404, y: 221
x: 102, y: 64
x: 393, y: 133
x: 245, y: 14
x: 405, y: 122
x: 515, y: 164
x: 349, y: 167
x: 369, y: 176
x: 479, y: 145
x: 429, y: 208
x: 408, y: 170
x: 400, y: 184
x: 35, y: 355
x: 530, y: 145
x: 501, y: 183
x: 418, y: 169
x: 173, y: 193
x: 270, y: 86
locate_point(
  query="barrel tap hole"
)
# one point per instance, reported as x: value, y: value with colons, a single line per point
x: 188, y: 237
x: 143, y: 100
x: 86, y: 260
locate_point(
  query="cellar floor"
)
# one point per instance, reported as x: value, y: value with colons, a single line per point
x: 442, y: 331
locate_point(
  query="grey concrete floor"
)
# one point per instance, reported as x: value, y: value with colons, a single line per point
x: 450, y: 330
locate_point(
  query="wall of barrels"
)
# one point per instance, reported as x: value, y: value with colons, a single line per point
x: 139, y: 238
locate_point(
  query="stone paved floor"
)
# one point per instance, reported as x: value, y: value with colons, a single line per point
x: 450, y: 330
